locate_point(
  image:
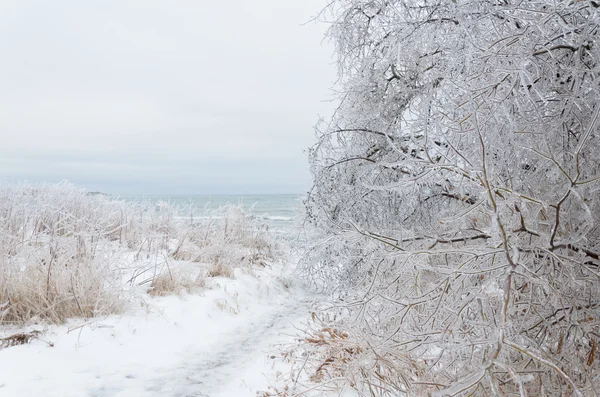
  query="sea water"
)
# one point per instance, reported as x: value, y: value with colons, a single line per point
x: 278, y: 211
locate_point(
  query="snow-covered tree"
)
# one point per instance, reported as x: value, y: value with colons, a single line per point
x: 456, y: 197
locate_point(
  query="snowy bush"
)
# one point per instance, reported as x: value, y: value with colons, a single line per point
x: 64, y: 253
x: 456, y: 198
x: 57, y: 252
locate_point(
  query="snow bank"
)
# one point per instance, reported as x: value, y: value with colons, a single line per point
x: 217, y: 344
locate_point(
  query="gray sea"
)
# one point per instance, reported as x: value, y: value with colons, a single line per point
x: 279, y: 211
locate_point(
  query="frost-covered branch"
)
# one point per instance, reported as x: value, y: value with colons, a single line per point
x: 474, y: 126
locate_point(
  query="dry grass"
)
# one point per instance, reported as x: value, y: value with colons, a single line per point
x: 327, y: 360
x: 231, y: 307
x: 20, y: 338
x: 56, y: 292
x: 62, y: 252
x: 220, y: 269
x: 177, y: 280
x: 53, y: 278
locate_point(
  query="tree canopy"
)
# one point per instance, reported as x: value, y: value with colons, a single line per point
x: 456, y: 196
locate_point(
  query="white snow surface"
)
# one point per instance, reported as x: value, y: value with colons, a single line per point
x: 215, y: 344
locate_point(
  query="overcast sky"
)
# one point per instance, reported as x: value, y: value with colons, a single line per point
x: 162, y: 97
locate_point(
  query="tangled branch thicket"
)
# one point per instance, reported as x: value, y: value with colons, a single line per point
x: 456, y: 200
x: 64, y: 253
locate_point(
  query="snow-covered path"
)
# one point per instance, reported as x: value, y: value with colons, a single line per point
x: 236, y: 366
x: 216, y: 345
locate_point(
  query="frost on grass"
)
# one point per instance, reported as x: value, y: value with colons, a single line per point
x: 455, y: 203
x: 68, y: 254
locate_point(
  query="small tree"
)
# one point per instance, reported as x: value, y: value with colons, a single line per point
x: 456, y: 197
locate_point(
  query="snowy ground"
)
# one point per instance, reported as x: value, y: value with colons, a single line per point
x: 216, y: 344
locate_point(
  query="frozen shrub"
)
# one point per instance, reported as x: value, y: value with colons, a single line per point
x: 220, y: 269
x: 228, y: 236
x: 64, y: 253
x: 176, y: 279
x: 455, y: 199
x: 57, y: 253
